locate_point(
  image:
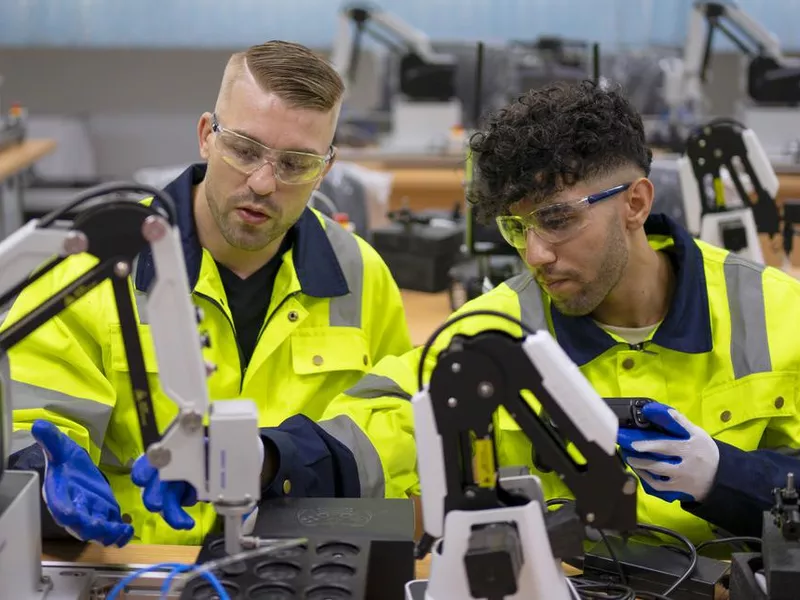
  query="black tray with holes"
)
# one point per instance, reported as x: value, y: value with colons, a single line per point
x: 323, y: 569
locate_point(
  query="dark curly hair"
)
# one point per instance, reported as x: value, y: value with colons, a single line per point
x: 552, y: 138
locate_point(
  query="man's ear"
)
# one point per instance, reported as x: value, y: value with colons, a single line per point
x: 639, y: 202
x: 204, y: 132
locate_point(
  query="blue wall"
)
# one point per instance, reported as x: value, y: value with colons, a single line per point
x: 236, y: 23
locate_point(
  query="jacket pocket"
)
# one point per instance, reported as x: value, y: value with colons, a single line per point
x: 328, y: 349
x: 118, y: 359
x: 738, y: 412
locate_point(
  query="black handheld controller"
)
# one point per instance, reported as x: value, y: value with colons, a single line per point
x: 629, y: 412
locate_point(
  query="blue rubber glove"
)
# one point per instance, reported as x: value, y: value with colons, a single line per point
x: 168, y: 498
x: 75, y: 491
x: 678, y: 463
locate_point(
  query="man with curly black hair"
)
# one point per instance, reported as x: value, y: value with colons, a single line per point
x: 640, y: 306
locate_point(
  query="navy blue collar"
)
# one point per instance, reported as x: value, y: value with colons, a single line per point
x: 687, y: 326
x: 315, y: 262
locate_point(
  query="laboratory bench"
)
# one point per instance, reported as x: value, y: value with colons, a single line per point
x: 15, y: 160
x: 135, y: 556
x: 440, y: 188
x: 142, y: 554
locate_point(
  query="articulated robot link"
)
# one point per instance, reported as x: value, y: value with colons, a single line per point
x: 495, y: 537
x: 726, y: 145
x: 205, y: 444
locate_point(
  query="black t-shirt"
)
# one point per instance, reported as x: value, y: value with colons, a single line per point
x: 248, y: 300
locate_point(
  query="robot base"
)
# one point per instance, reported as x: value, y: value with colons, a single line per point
x: 540, y: 575
x: 21, y: 570
x: 734, y: 230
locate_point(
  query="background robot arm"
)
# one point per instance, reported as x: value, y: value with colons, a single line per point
x: 772, y: 78
x: 357, y: 19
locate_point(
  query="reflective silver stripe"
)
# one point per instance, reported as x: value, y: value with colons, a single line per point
x: 345, y: 311
x: 377, y: 386
x: 370, y: 469
x: 109, y: 459
x: 531, y: 308
x: 749, y: 344
x: 89, y: 413
x: 141, y: 306
x: 20, y: 440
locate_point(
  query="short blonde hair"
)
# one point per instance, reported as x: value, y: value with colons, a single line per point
x: 291, y: 71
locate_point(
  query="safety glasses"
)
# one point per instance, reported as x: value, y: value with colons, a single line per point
x: 248, y: 156
x: 554, y: 223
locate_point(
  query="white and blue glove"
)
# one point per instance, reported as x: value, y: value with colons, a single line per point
x: 676, y: 461
x: 77, y: 495
x: 168, y: 498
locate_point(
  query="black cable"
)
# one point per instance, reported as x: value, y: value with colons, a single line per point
x: 446, y: 325
x: 620, y: 571
x: 745, y: 539
x: 683, y: 540
x: 614, y: 558
x: 113, y: 187
x: 599, y: 590
x: 607, y: 590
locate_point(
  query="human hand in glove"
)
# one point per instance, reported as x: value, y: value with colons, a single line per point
x: 75, y: 491
x: 168, y: 498
x: 676, y: 460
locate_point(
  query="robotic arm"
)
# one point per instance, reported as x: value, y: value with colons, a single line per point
x: 224, y: 471
x: 497, y: 541
x: 424, y: 73
x: 725, y: 144
x: 771, y: 77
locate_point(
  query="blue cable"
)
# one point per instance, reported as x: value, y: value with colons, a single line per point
x: 176, y: 569
x: 175, y: 572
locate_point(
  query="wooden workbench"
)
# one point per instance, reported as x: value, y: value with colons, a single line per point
x: 425, y: 312
x: 443, y: 188
x: 14, y: 161
x: 142, y: 554
x: 17, y: 158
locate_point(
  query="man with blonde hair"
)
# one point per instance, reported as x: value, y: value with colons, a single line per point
x: 296, y: 309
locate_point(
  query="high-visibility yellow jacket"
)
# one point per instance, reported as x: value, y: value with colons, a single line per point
x: 335, y: 310
x: 726, y: 356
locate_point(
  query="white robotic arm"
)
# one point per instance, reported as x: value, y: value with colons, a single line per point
x: 355, y: 20
x: 494, y: 538
x: 225, y: 470
x: 772, y: 78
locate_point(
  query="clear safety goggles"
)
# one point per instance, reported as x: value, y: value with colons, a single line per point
x: 554, y: 223
x: 248, y: 156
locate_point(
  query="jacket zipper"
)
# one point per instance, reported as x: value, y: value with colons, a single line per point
x: 242, y: 366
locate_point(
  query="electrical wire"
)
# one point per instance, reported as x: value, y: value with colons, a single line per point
x: 460, y: 317
x: 683, y: 540
x: 592, y: 589
x: 736, y: 539
x: 617, y: 564
x: 265, y: 546
x: 175, y: 568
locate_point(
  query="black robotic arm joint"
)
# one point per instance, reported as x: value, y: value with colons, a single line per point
x: 114, y: 231
x: 477, y: 375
